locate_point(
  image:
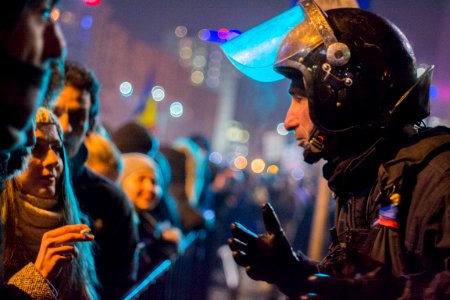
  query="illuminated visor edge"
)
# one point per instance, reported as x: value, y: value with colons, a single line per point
x: 255, y: 51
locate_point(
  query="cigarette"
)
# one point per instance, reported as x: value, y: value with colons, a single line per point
x: 86, y: 231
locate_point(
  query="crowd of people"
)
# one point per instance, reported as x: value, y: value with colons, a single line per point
x: 87, y: 212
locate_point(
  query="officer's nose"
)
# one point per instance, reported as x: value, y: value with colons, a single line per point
x: 291, y: 120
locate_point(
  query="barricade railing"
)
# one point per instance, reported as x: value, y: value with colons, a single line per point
x: 185, y: 277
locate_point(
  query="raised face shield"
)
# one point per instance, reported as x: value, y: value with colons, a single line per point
x: 294, y: 33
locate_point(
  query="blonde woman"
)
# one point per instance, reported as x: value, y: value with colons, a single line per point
x: 43, y: 221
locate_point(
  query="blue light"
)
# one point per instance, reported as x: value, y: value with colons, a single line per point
x: 204, y: 34
x: 209, y: 214
x: 364, y: 4
x: 297, y: 174
x: 86, y: 22
x: 215, y: 158
x: 176, y: 109
x: 434, y: 92
x: 281, y: 130
x: 126, y: 89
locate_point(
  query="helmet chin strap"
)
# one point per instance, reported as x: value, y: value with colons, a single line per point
x: 313, y: 151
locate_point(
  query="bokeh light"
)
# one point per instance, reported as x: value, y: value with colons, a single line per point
x: 158, y: 93
x: 92, y: 2
x: 258, y: 165
x: 215, y: 158
x: 244, y: 136
x: 204, y: 34
x: 68, y: 17
x: 297, y: 174
x: 240, y: 162
x: 199, y: 61
x: 186, y: 52
x: 281, y: 130
x: 86, y: 22
x: 126, y: 89
x: 176, y: 109
x: 232, y: 134
x: 272, y: 169
x: 186, y: 42
x: 197, y: 77
x: 181, y: 31
x: 212, y: 82
x: 55, y: 14
x: 216, y: 55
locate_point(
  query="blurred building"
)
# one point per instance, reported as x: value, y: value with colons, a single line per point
x: 117, y: 57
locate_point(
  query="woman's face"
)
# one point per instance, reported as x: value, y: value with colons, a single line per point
x: 42, y: 177
x: 141, y: 188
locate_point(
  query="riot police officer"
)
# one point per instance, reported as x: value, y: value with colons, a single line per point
x: 358, y: 101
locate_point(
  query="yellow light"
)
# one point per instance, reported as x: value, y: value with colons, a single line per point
x: 233, y: 134
x: 197, y: 77
x: 272, y: 169
x: 186, y: 53
x: 244, y: 136
x: 258, y: 165
x: 240, y: 162
x: 186, y: 42
x: 55, y: 14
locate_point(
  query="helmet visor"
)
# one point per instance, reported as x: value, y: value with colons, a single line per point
x: 258, y: 50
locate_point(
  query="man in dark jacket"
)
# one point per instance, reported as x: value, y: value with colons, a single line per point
x: 357, y: 101
x: 29, y: 40
x: 105, y: 204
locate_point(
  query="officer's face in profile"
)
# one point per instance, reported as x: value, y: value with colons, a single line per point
x: 297, y: 118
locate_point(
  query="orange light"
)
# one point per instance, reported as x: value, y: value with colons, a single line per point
x: 240, y: 162
x: 55, y: 14
x: 272, y: 169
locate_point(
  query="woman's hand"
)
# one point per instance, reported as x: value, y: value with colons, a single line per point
x: 57, y: 248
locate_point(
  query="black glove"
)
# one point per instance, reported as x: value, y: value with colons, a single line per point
x: 325, y: 287
x: 270, y: 257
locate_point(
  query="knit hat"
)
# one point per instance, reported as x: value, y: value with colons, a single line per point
x: 135, y: 138
x: 133, y: 162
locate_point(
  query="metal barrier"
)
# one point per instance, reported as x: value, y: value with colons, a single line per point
x: 184, y: 278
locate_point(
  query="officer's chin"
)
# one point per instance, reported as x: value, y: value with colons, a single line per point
x: 310, y: 156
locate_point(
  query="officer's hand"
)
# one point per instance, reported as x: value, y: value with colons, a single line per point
x: 270, y: 257
x: 325, y: 287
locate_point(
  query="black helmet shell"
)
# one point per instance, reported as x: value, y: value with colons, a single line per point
x: 361, y: 93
